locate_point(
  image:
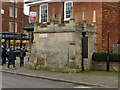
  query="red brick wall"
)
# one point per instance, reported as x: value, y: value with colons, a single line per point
x: 90, y: 7
x: 119, y: 20
x: 58, y: 7
x: 6, y: 18
x: 110, y: 23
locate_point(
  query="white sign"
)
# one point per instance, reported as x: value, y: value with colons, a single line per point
x: 32, y: 17
x: 43, y: 35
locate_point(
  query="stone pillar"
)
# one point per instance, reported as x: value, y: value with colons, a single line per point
x: 52, y: 23
x: 72, y: 20
x: 92, y: 43
x: 78, y: 45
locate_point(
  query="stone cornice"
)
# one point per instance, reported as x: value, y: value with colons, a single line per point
x: 55, y: 31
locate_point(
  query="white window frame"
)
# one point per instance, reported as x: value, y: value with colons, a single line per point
x: 65, y: 18
x: 11, y: 26
x: 11, y: 12
x: 40, y: 14
x: 15, y: 26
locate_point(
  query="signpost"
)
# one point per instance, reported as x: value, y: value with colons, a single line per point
x: 108, y: 57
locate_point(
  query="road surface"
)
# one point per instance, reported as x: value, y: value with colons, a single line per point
x: 18, y: 81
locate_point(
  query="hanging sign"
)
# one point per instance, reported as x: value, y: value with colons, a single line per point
x: 32, y: 17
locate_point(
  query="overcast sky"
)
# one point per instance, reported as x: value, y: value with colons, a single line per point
x: 26, y: 9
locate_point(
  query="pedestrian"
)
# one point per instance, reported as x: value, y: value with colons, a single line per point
x: 4, y: 55
x: 22, y: 55
x: 11, y: 58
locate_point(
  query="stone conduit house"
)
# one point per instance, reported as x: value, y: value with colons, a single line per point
x: 58, y: 30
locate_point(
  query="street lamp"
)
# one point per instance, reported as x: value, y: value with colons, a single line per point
x: 108, y: 57
x: 21, y: 40
x: 14, y: 29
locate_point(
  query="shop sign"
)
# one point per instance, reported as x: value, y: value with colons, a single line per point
x: 32, y: 17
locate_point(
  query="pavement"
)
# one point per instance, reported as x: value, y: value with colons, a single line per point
x: 98, y: 79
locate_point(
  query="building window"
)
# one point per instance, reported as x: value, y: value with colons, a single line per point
x: 2, y: 11
x: 11, y: 27
x: 44, y: 13
x: 68, y: 5
x: 12, y: 12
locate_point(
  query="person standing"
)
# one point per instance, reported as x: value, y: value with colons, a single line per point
x: 22, y: 55
x: 11, y: 57
x: 4, y: 55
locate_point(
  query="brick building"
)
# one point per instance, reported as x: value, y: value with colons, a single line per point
x: 65, y: 17
x: 7, y: 15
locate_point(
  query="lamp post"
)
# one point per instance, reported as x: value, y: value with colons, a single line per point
x: 21, y: 40
x: 108, y: 57
x: 14, y: 29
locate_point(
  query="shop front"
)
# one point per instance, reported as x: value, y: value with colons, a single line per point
x: 21, y: 40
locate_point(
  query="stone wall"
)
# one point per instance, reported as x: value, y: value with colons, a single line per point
x: 61, y: 46
x: 54, y: 48
x: 116, y: 48
x: 114, y: 66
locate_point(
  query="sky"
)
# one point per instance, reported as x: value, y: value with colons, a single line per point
x: 26, y: 9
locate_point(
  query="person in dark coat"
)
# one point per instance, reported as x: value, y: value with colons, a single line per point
x: 11, y: 58
x: 22, y: 55
x: 4, y: 55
